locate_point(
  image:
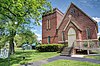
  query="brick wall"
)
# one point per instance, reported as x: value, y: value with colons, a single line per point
x: 79, y: 17
x: 54, y: 19
x: 82, y: 20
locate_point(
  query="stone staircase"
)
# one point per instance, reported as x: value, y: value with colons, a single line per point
x: 66, y: 51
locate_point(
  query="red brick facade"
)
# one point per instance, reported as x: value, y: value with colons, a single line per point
x: 54, y: 18
x: 73, y: 18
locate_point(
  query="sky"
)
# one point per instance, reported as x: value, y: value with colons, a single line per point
x: 90, y: 7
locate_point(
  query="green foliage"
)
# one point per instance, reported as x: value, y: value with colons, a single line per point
x: 15, y: 17
x: 99, y: 38
x: 91, y: 44
x: 25, y: 37
x: 49, y: 47
x: 85, y: 44
x: 70, y: 63
x: 93, y: 57
x: 30, y: 56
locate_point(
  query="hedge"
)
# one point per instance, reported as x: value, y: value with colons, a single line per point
x: 49, y: 47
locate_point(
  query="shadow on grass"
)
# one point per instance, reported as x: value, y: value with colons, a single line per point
x: 29, y: 56
x: 17, y: 58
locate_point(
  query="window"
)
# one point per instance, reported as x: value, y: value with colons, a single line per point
x: 72, y: 11
x: 88, y: 33
x: 48, y: 24
x: 63, y: 36
x: 48, y: 39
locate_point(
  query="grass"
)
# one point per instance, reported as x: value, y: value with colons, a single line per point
x: 70, y: 63
x: 30, y: 56
x: 33, y: 55
x: 96, y: 57
x: 93, y: 57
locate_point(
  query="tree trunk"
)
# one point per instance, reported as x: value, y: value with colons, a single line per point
x: 11, y: 48
x: 11, y: 42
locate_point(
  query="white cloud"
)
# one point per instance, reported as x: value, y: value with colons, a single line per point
x: 96, y: 19
x: 39, y: 38
x: 39, y: 35
x: 98, y: 34
x: 33, y: 30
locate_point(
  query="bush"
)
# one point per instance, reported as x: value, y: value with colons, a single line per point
x: 99, y: 38
x: 49, y: 47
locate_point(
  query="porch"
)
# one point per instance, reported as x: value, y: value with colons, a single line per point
x: 88, y: 45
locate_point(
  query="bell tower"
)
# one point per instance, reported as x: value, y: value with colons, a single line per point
x: 49, y: 25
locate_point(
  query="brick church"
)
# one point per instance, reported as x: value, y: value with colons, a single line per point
x: 69, y: 27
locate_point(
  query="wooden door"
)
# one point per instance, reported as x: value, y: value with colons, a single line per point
x: 71, y: 36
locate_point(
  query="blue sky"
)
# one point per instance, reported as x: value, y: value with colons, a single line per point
x: 90, y: 7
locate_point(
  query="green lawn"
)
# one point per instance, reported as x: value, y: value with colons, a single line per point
x: 70, y: 63
x: 94, y: 56
x: 31, y: 56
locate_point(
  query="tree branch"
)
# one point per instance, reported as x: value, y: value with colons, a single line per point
x: 9, y: 10
x: 25, y: 13
x: 7, y: 16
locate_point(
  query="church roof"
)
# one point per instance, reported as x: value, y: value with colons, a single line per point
x: 79, y: 10
x: 73, y: 24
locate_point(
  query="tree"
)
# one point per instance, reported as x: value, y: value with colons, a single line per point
x: 25, y: 37
x: 16, y: 14
x: 3, y: 37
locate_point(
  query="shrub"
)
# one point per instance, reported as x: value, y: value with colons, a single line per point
x: 99, y: 38
x: 49, y: 47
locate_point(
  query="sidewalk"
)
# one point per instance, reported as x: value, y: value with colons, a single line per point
x: 39, y: 63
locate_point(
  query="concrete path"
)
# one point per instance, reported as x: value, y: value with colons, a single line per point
x: 79, y: 56
x: 73, y: 58
x: 39, y: 63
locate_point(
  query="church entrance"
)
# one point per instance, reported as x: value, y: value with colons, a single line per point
x: 71, y: 36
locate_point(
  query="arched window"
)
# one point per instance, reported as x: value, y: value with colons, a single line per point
x: 48, y: 24
x: 88, y: 33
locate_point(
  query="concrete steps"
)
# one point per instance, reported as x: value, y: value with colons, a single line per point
x: 66, y: 51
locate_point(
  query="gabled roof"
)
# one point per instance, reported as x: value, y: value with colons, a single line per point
x: 81, y: 11
x: 73, y: 24
x: 63, y: 17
